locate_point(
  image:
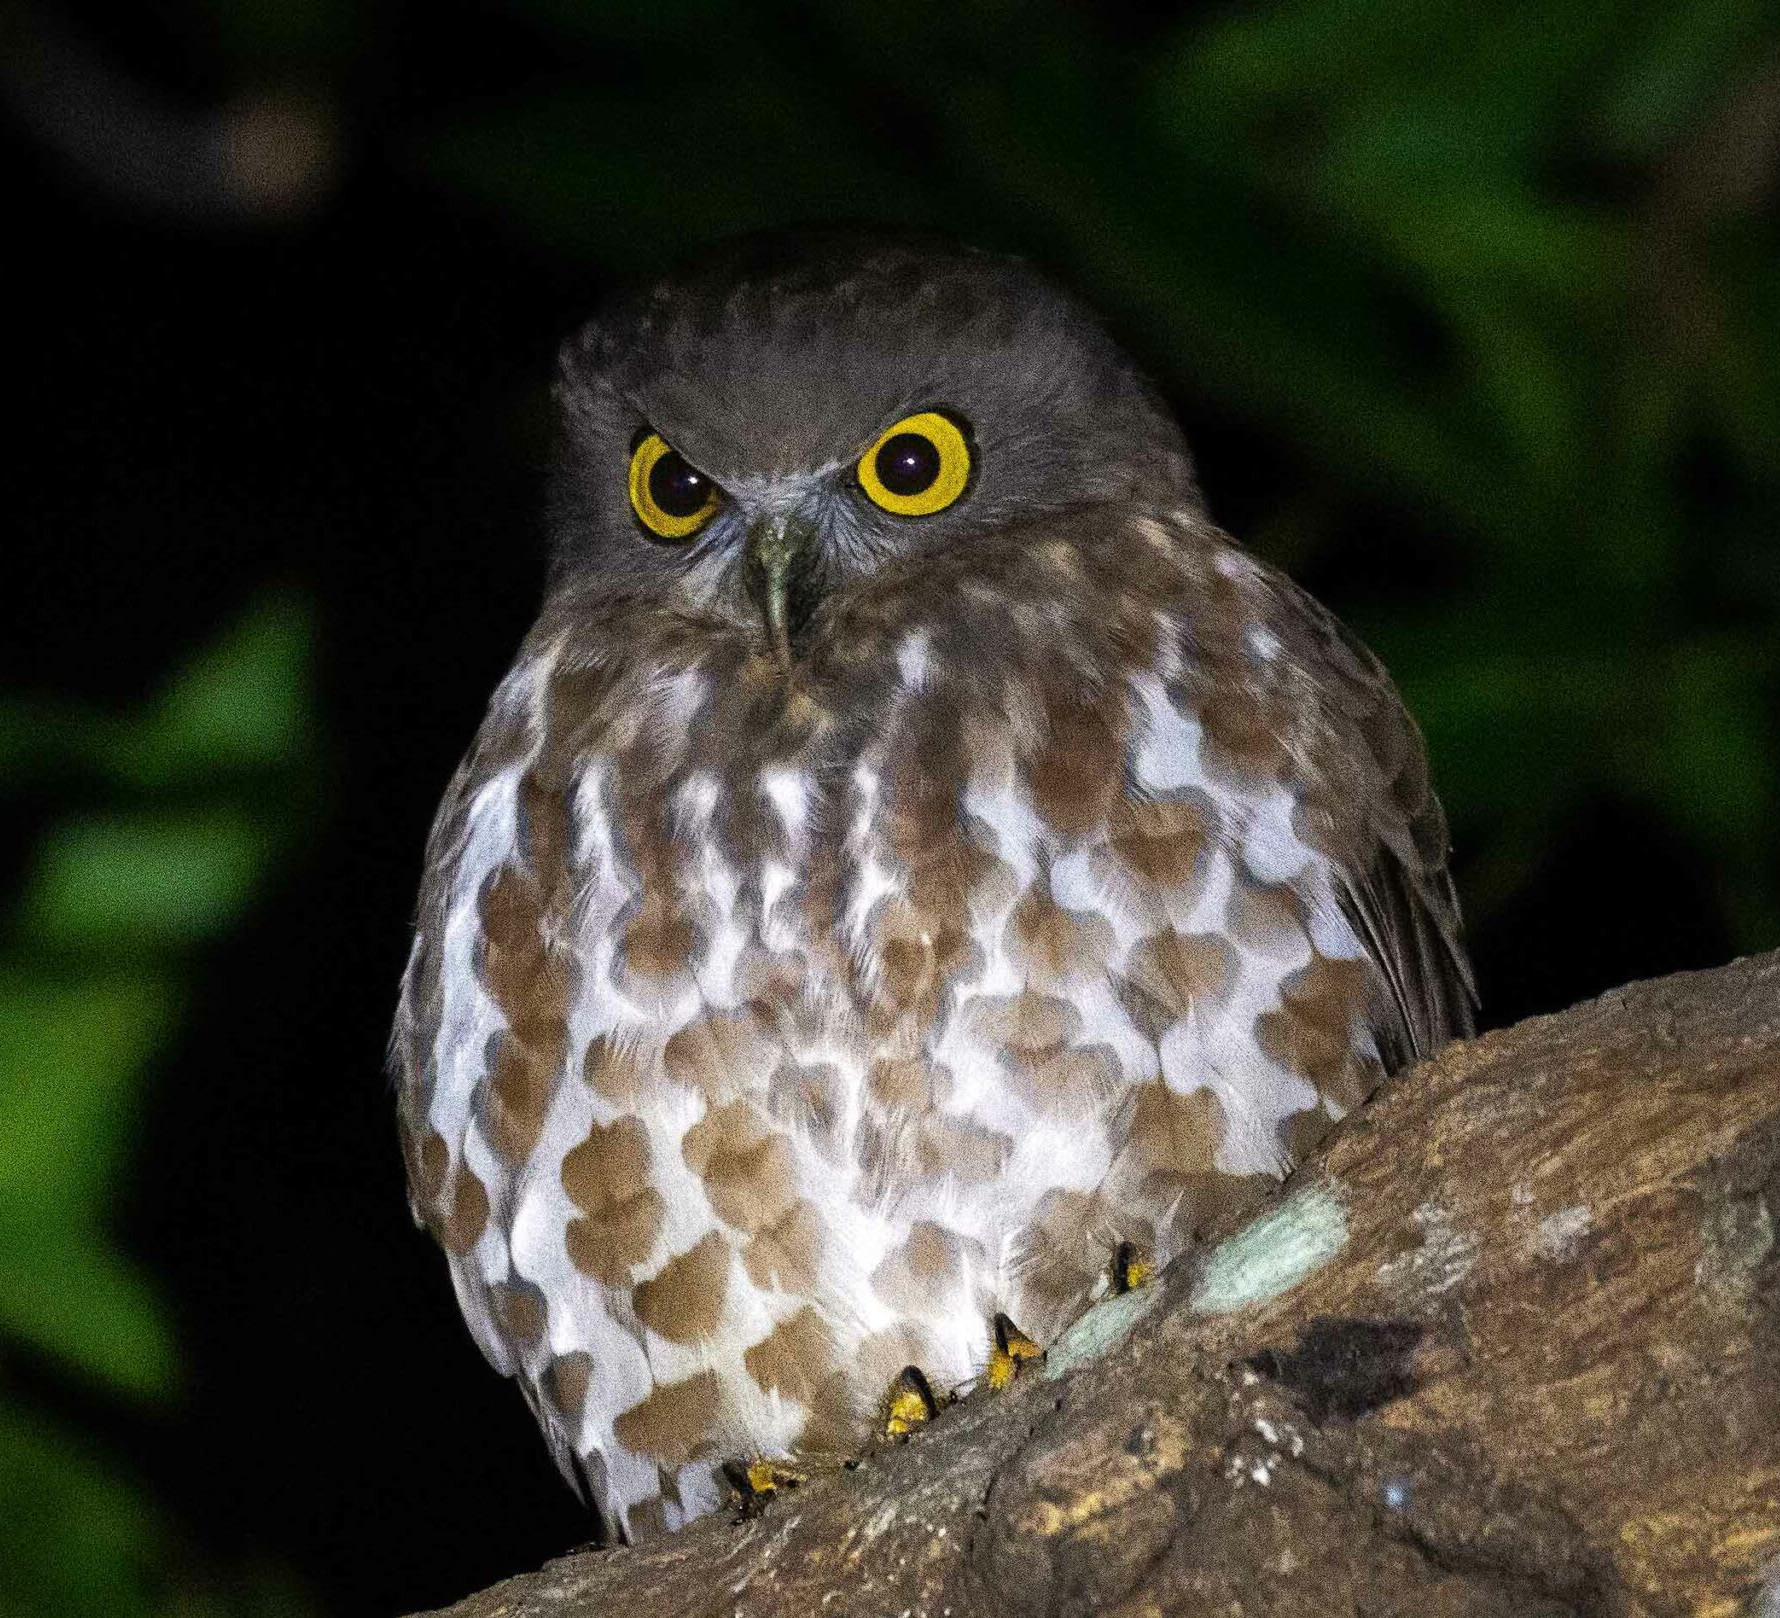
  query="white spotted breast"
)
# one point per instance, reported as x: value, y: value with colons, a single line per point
x: 760, y: 1039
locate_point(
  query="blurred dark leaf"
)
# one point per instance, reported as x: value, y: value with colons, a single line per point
x: 176, y: 878
x: 92, y: 986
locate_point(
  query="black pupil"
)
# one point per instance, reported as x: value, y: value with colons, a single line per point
x: 908, y: 463
x: 678, y: 487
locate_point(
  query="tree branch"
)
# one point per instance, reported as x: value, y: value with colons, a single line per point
x: 1510, y: 1344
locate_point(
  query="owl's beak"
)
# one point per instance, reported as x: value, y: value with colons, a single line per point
x: 778, y: 551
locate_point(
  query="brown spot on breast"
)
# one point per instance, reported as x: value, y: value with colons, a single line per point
x: 1302, y: 1132
x: 1175, y: 1133
x: 924, y: 775
x: 717, y: 1052
x: 607, y: 1177
x: 881, y: 1145
x: 747, y: 1166
x: 787, y: 1254
x: 429, y: 1165
x: 646, y: 1521
x: 510, y: 908
x: 1075, y: 773
x: 972, y: 1153
x: 520, y: 1312
x: 658, y: 939
x: 464, y: 1224
x: 1265, y: 916
x: 545, y: 828
x: 1313, y: 1033
x: 919, y: 953
x: 925, y: 1274
x: 519, y: 1090
x: 1163, y: 840
x: 1132, y: 627
x: 1170, y: 974
x: 566, y: 1382
x: 795, y: 1359
x: 1077, y: 1080
x: 613, y: 1070
x: 1052, y: 943
x: 683, y: 1302
x: 773, y: 983
x: 809, y: 1096
x: 675, y: 1423
x: 1024, y: 1029
x: 1168, y: 1171
x: 908, y: 1082
x: 532, y: 984
x: 1242, y: 739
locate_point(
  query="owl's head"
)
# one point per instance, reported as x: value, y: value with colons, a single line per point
x: 758, y: 436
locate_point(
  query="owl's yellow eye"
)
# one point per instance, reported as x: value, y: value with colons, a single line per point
x: 917, y: 467
x: 670, y: 496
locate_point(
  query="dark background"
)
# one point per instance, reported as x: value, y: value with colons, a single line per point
x: 1474, y: 327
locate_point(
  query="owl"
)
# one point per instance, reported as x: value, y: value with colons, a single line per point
x: 916, y: 874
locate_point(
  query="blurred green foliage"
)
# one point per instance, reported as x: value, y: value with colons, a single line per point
x: 1512, y: 272
x: 1503, y: 275
x: 202, y: 791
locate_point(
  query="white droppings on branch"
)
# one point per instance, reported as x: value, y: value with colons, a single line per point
x: 1560, y: 1234
x: 1446, y: 1256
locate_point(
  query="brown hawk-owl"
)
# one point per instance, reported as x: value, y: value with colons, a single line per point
x: 916, y: 862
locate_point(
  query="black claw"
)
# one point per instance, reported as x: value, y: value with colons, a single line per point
x: 914, y: 1378
x: 909, y: 1402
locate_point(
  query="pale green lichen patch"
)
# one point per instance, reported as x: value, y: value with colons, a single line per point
x: 1103, y: 1327
x: 1273, y: 1254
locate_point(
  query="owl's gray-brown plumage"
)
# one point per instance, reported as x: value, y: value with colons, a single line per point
x: 854, y: 921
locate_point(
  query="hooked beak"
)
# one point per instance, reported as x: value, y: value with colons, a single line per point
x: 777, y: 558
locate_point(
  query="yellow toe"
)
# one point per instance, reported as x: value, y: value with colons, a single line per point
x: 756, y: 1482
x: 1012, y: 1349
x: 1130, y: 1269
x: 908, y: 1403
x: 766, y: 1477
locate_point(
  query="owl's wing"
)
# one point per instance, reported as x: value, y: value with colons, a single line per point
x: 445, y: 1028
x: 1413, y: 936
x: 1370, y: 765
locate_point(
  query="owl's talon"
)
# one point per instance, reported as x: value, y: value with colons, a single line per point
x: 1130, y: 1269
x: 1012, y: 1349
x: 908, y: 1403
x: 753, y: 1483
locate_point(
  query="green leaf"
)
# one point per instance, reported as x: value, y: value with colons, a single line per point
x: 169, y: 879
x: 72, y: 1058
x: 73, y: 1053
x: 64, y: 1293
x: 1715, y: 762
x: 242, y: 704
x: 78, y: 1539
x: 1655, y: 92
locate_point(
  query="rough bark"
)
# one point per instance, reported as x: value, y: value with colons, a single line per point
x: 1509, y: 1344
